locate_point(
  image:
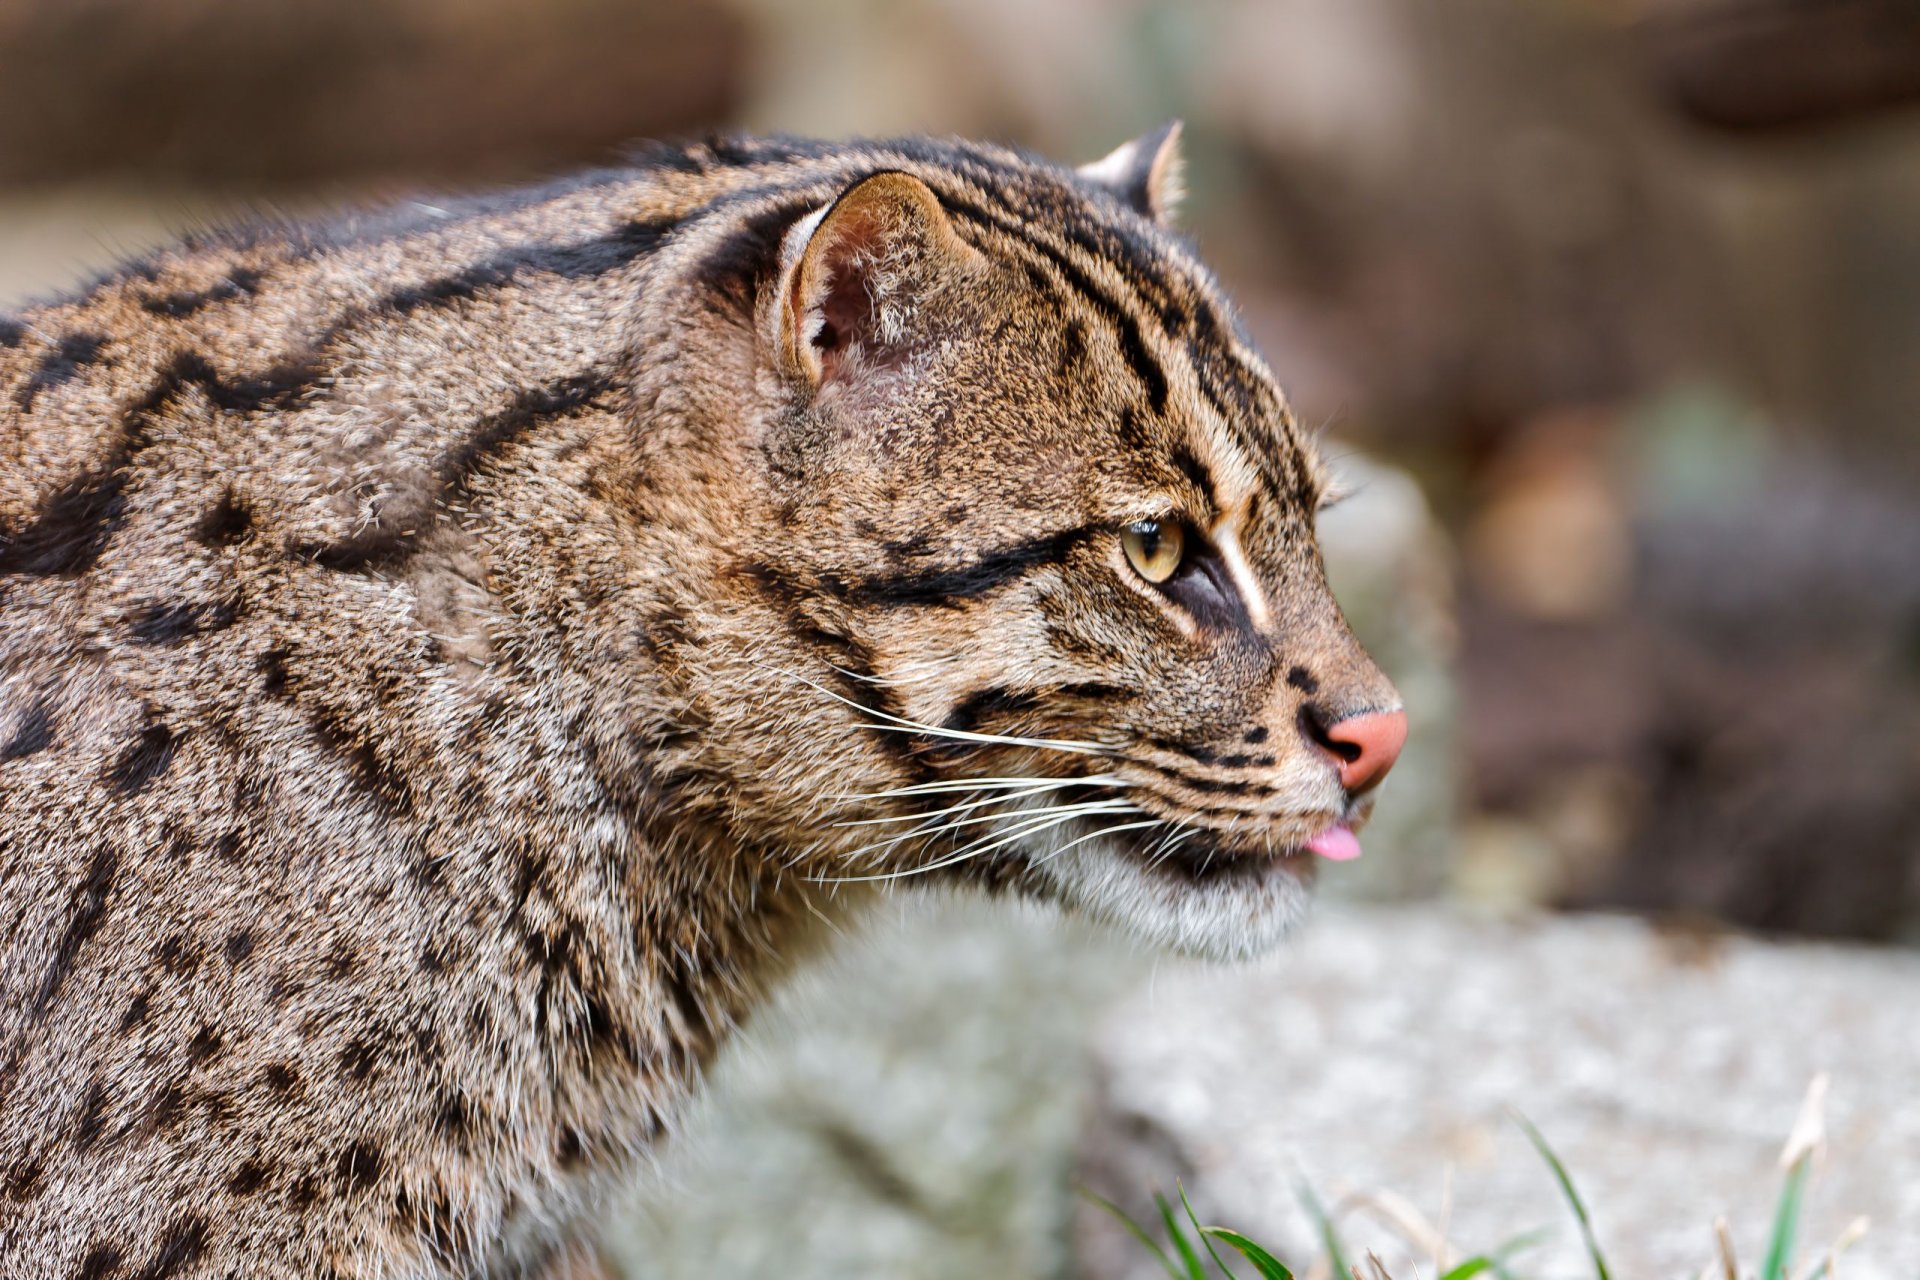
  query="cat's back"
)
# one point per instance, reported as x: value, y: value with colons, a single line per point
x: 233, y: 705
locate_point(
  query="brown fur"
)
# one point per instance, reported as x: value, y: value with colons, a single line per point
x: 441, y: 653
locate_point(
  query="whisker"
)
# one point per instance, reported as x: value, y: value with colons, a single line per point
x: 984, y: 784
x: 1020, y: 794
x: 1046, y: 819
x: 1103, y: 831
x: 900, y: 724
x: 936, y: 830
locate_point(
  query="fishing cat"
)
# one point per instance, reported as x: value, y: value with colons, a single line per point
x: 452, y: 660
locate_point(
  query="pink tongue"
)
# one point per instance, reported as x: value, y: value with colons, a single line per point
x: 1336, y: 844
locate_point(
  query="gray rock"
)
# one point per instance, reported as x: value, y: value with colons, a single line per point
x: 1381, y: 1055
x: 907, y: 1111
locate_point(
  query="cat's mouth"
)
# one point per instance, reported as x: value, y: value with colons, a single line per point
x: 1223, y: 894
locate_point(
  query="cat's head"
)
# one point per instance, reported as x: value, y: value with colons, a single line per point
x: 1041, y: 538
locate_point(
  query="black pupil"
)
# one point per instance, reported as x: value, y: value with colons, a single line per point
x: 1149, y: 532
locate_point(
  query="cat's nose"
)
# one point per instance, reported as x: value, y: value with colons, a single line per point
x: 1366, y: 746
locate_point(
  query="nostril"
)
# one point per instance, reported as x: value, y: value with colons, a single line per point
x: 1314, y: 727
x: 1367, y: 746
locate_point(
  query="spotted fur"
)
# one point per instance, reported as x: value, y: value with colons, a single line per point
x: 452, y: 659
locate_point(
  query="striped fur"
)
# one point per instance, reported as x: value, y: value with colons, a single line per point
x: 452, y: 658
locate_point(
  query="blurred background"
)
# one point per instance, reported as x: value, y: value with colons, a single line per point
x: 1609, y: 308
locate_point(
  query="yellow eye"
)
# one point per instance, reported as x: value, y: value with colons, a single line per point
x: 1154, y: 549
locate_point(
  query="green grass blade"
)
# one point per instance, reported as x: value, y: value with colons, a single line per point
x: 1518, y: 1244
x: 1572, y: 1196
x: 1265, y: 1263
x: 1196, y: 1269
x: 1134, y: 1229
x: 1192, y: 1217
x: 1786, y: 1220
x: 1329, y: 1238
x: 1476, y: 1265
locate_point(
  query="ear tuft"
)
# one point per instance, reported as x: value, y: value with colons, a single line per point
x: 854, y: 272
x: 1147, y: 173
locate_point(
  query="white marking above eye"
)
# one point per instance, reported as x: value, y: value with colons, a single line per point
x: 1227, y: 542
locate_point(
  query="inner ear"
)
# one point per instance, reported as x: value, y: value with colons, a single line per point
x: 847, y: 311
x: 857, y: 274
x: 1145, y: 173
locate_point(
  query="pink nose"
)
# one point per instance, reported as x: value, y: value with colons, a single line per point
x: 1367, y: 746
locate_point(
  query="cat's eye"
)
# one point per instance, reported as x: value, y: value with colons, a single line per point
x: 1154, y: 549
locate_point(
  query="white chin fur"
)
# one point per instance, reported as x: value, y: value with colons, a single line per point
x: 1231, y: 918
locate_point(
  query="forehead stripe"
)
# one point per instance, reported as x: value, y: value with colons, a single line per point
x: 1125, y: 326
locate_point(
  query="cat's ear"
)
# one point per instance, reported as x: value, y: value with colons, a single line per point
x: 1145, y: 173
x: 854, y: 274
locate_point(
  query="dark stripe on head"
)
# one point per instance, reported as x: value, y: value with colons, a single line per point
x: 1126, y: 328
x: 1197, y: 474
x: 948, y: 586
x: 60, y: 366
x: 994, y: 700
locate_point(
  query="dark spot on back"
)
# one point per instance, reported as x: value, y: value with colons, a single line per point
x: 302, y: 1194
x: 167, y: 1107
x: 164, y: 623
x: 205, y: 1044
x: 358, y: 1168
x: 33, y: 733
x: 239, y: 947
x: 272, y: 666
x: 101, y: 1262
x: 240, y: 282
x: 249, y: 1177
x: 23, y: 1181
x: 226, y: 524
x: 281, y: 1078
x: 384, y: 784
x: 137, y: 1011
x: 60, y: 366
x: 340, y: 961
x: 146, y: 760
x: 179, y: 955
x: 1302, y: 679
x: 181, y: 1246
x: 12, y: 333
x: 92, y: 1118
x: 357, y: 1060
x: 89, y: 907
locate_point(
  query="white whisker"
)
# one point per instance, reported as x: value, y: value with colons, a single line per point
x: 936, y: 830
x: 1030, y: 826
x: 983, y: 784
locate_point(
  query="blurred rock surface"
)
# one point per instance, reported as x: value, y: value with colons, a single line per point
x: 1380, y: 1054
